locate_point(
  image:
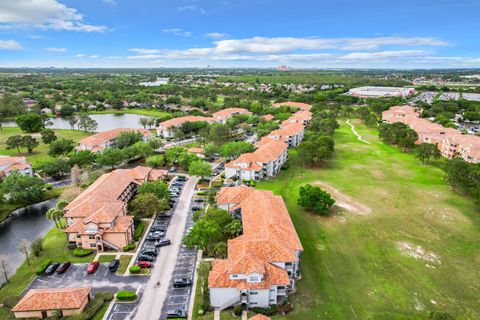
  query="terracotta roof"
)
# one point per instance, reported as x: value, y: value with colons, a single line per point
x: 13, y: 163
x: 102, y: 137
x: 229, y: 112
x: 288, y: 130
x: 259, y: 317
x: 300, y: 105
x: 195, y: 150
x: 52, y: 299
x: 268, y: 117
x: 300, y: 116
x: 181, y: 120
x: 269, y: 151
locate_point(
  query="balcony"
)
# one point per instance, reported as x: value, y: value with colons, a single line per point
x: 282, y: 292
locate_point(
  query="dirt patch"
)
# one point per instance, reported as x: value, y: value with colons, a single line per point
x: 343, y: 201
x: 418, y: 252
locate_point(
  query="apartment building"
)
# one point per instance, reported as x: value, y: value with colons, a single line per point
x: 223, y: 115
x: 263, y: 163
x: 167, y: 128
x: 302, y: 116
x: 299, y: 105
x: 262, y: 264
x: 98, y: 217
x: 400, y: 114
x: 9, y: 165
x: 107, y: 139
x: 291, y: 133
x: 381, y: 92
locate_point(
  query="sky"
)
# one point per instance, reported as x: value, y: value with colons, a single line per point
x: 240, y: 33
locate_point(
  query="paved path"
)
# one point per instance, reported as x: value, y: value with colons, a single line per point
x: 154, y: 295
x: 359, y: 137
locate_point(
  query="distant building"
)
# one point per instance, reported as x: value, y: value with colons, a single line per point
x: 223, y: 115
x: 381, y: 92
x: 399, y: 114
x: 299, y: 105
x: 167, y: 128
x: 43, y: 303
x: 290, y: 133
x: 106, y: 139
x: 9, y: 165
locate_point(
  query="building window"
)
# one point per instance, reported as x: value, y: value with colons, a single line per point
x: 253, y: 292
x: 79, y: 244
x: 91, y: 237
x: 234, y: 276
x: 92, y: 245
x: 253, y: 279
x: 78, y: 236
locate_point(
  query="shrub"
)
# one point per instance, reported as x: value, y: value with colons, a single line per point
x: 41, y: 269
x: 139, y: 231
x: 79, y: 252
x: 129, y: 247
x: 92, y: 307
x: 285, y: 308
x: 135, y: 269
x: 10, y: 301
x: 48, y: 186
x: 237, y: 310
x: 105, y: 295
x: 37, y: 246
x: 270, y: 311
x: 126, y: 296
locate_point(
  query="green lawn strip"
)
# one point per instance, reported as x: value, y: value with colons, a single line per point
x: 142, y: 112
x: 101, y: 312
x: 54, y: 245
x: 124, y: 261
x: 351, y: 265
x: 7, y: 208
x: 39, y: 154
x: 106, y: 258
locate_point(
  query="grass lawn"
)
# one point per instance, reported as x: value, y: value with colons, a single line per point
x: 142, y: 112
x: 54, y: 247
x: 352, y: 266
x: 101, y: 312
x: 39, y: 154
x: 124, y: 261
x: 106, y: 258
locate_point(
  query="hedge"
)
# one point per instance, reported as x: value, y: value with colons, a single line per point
x: 237, y: 310
x: 126, y: 296
x: 139, y: 230
x: 92, y: 307
x: 135, y: 269
x: 270, y: 311
x: 129, y: 247
x: 79, y: 252
x: 41, y: 269
x: 10, y: 301
x: 105, y: 295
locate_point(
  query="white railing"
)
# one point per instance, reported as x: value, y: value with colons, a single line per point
x: 229, y: 303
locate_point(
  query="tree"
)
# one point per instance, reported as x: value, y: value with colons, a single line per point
x: 83, y: 158
x: 316, y: 150
x: 234, y: 229
x: 456, y: 172
x: 232, y: 150
x: 425, y: 151
x: 55, y: 215
x: 37, y: 246
x: 4, y: 267
x: 48, y: 136
x: 30, y: 143
x: 55, y: 167
x: 111, y: 157
x: 219, y: 133
x: 158, y: 188
x: 315, y: 199
x: 147, y: 205
x: 20, y: 188
x: 155, y: 161
x: 144, y: 121
x: 23, y: 248
x: 87, y: 124
x: 30, y: 122
x: 73, y: 121
x: 220, y: 250
x: 210, y: 150
x: 200, y: 168
x: 61, y: 204
x: 128, y: 138
x: 324, y: 126
x: 14, y: 142
x: 61, y: 147
x: 179, y: 135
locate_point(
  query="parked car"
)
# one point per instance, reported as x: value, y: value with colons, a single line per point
x: 63, y: 267
x: 144, y: 264
x: 196, y: 208
x: 166, y: 214
x: 181, y: 178
x: 172, y: 169
x: 145, y: 257
x: 198, y: 200
x: 93, y: 266
x: 175, y: 189
x: 149, y: 251
x: 159, y: 227
x: 51, y: 268
x: 163, y: 243
x: 113, y: 265
x: 175, y: 194
x: 176, y: 314
x: 153, y: 237
x: 182, y: 282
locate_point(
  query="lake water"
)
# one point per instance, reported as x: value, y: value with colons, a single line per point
x: 27, y: 223
x: 105, y: 122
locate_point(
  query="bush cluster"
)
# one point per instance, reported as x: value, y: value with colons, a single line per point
x: 92, y: 308
x: 79, y: 252
x: 129, y: 247
x: 41, y: 269
x: 135, y: 269
x: 237, y: 310
x: 105, y: 295
x: 10, y: 301
x: 126, y: 296
x: 139, y: 230
x: 270, y: 311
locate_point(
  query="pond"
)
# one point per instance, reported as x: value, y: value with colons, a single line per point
x: 105, y: 122
x: 26, y: 223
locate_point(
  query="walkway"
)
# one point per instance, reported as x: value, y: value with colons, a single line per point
x: 359, y: 137
x: 156, y: 289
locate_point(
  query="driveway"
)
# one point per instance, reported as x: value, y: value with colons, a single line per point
x: 155, y: 290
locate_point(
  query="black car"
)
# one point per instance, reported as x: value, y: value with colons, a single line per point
x: 176, y: 314
x: 198, y: 200
x: 153, y: 237
x: 145, y: 257
x: 181, y: 178
x: 159, y: 227
x: 196, y: 208
x: 63, y: 267
x: 166, y: 214
x: 51, y: 268
x: 163, y: 243
x: 149, y: 251
x: 113, y: 265
x: 182, y: 282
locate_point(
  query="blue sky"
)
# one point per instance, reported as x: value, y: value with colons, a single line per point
x: 240, y: 33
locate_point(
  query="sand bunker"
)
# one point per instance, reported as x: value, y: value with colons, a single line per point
x: 343, y: 201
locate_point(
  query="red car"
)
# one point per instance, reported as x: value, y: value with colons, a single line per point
x: 144, y: 264
x: 93, y: 266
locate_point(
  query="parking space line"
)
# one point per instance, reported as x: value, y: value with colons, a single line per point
x: 138, y: 289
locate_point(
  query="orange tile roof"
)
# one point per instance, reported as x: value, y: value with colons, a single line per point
x: 259, y: 317
x: 269, y: 151
x: 13, y: 163
x: 195, y: 150
x: 229, y: 112
x: 300, y: 116
x: 181, y: 120
x: 268, y: 117
x: 102, y: 137
x: 268, y: 236
x: 288, y: 130
x: 300, y: 105
x: 52, y: 299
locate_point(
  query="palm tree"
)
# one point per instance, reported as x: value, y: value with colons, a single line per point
x: 55, y: 215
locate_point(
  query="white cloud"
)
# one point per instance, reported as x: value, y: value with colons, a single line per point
x: 94, y: 56
x: 144, y: 51
x: 110, y: 2
x: 114, y: 57
x: 192, y: 7
x: 43, y: 14
x: 80, y: 55
x: 144, y: 57
x: 215, y: 35
x: 56, y: 49
x: 178, y: 32
x: 10, y: 45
